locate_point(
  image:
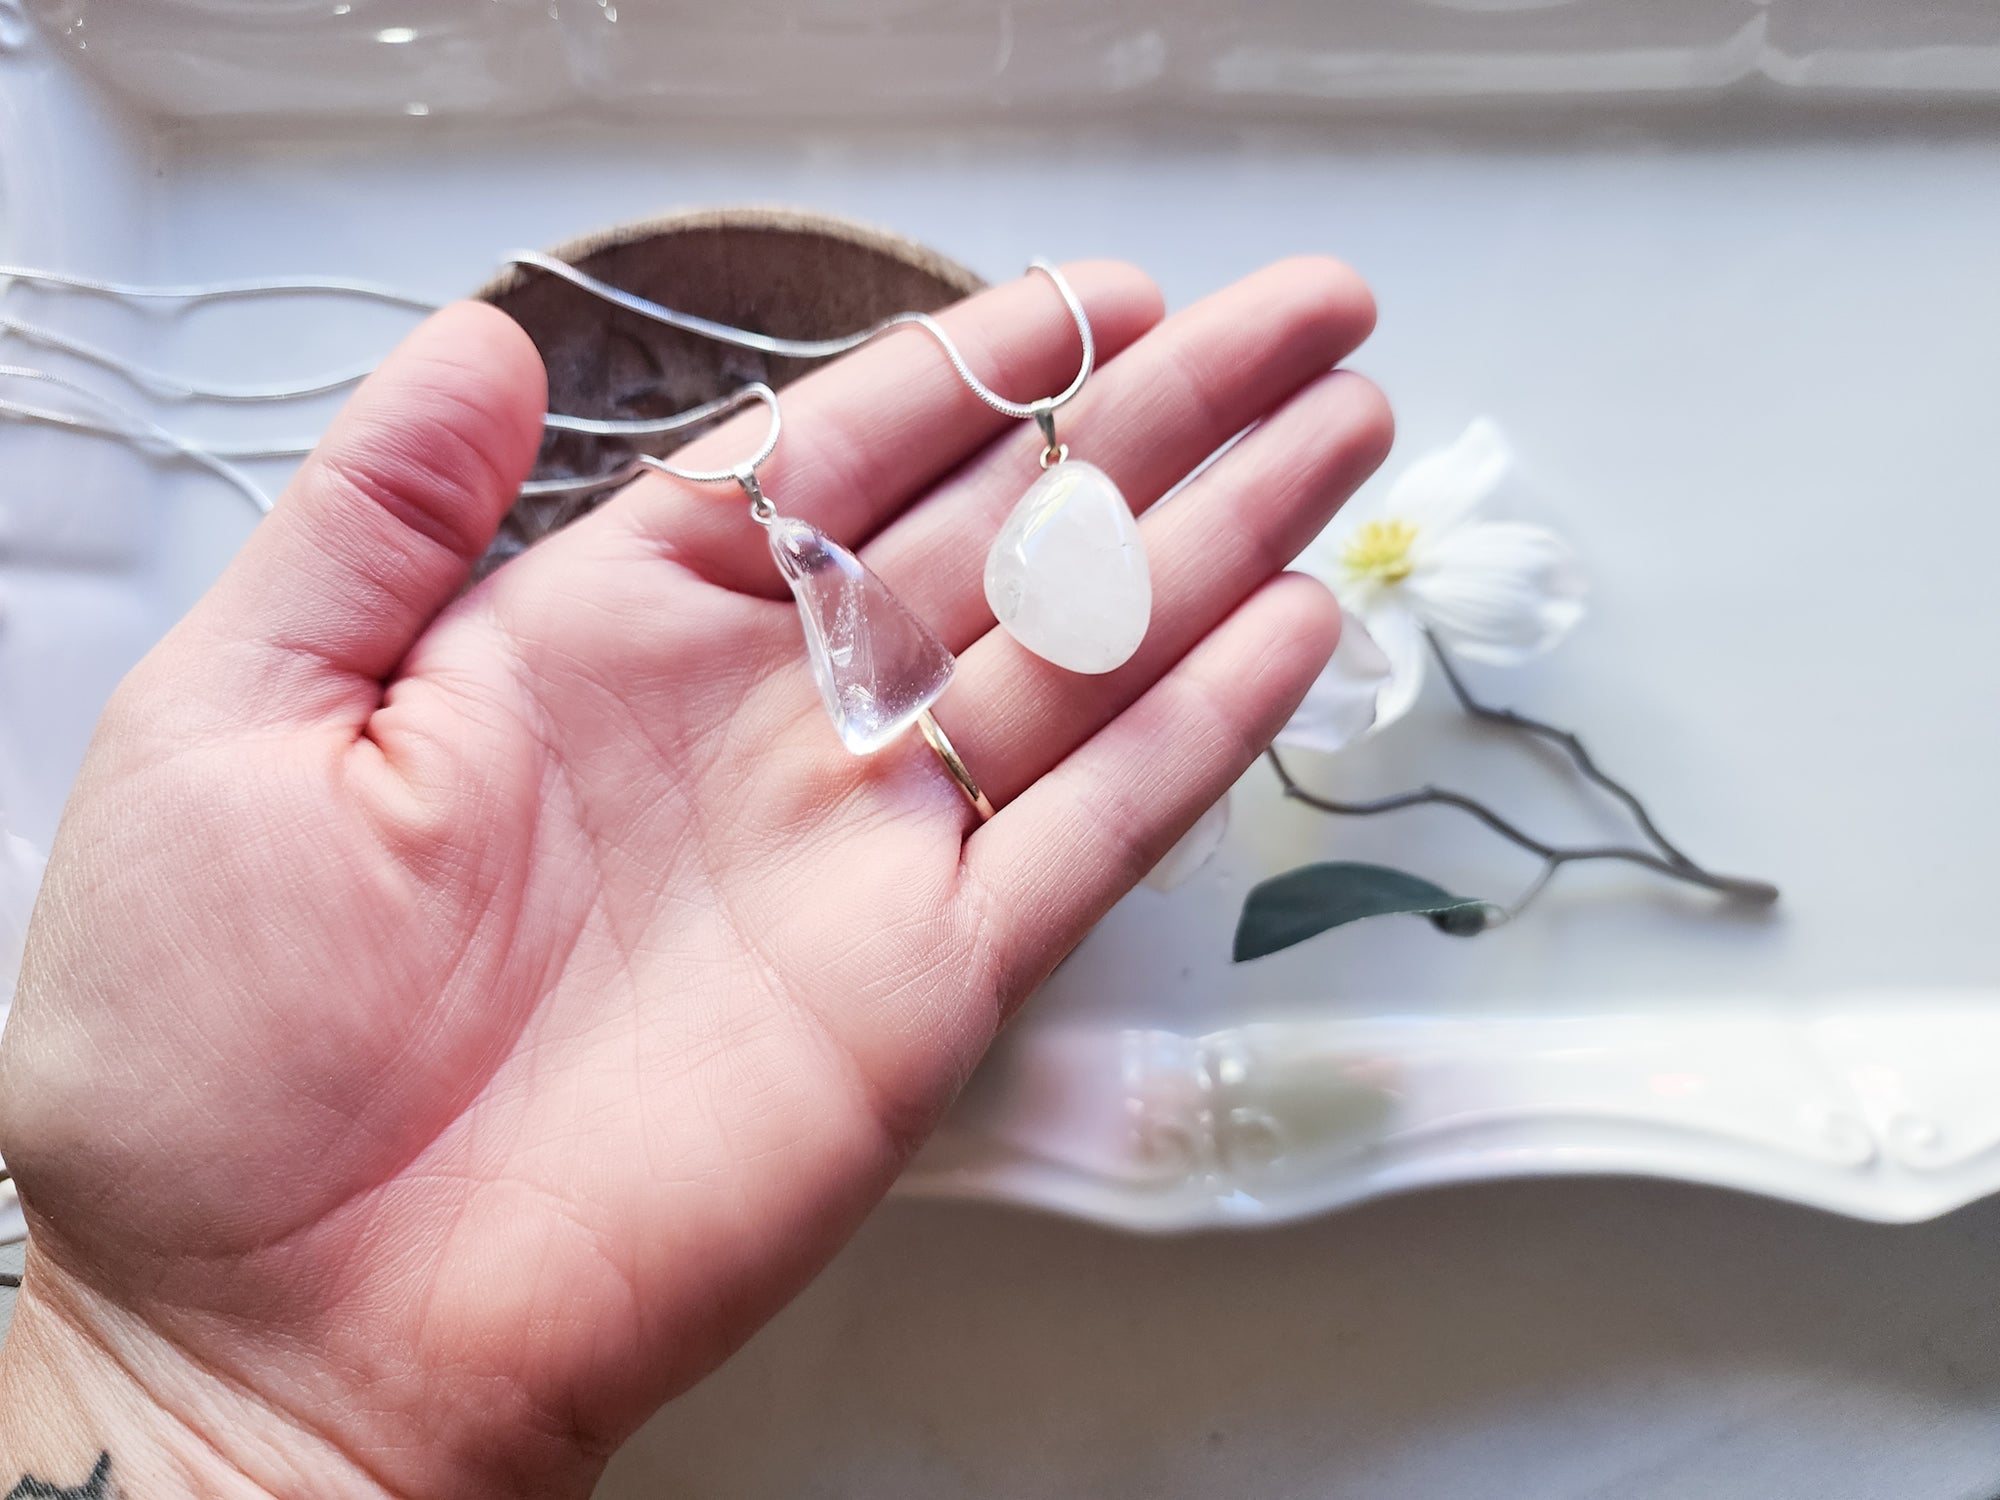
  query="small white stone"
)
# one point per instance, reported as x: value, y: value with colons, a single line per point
x: 1067, y: 575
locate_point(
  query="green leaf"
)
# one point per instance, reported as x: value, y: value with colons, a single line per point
x: 1312, y: 899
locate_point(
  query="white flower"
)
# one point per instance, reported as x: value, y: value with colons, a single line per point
x: 1196, y: 848
x: 1417, y: 557
x: 1344, y: 700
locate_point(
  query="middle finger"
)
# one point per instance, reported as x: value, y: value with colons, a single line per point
x: 1148, y: 418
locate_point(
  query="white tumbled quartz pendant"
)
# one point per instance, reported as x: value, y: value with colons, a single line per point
x: 1067, y: 575
x: 877, y: 665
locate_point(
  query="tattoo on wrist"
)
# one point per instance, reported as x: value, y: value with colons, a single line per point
x: 97, y: 1487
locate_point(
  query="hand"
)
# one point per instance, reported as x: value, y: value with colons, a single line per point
x: 453, y: 1022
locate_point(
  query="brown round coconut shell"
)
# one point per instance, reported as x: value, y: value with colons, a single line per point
x: 775, y: 271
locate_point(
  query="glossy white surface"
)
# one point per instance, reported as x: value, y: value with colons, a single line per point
x: 1745, y: 358
x: 862, y: 58
x: 1883, y: 1109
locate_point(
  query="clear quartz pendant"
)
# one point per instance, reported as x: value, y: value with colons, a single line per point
x: 877, y: 665
x: 1067, y: 575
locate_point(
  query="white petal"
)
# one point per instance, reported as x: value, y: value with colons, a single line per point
x: 1498, y: 591
x: 1321, y: 556
x: 1400, y: 636
x: 1340, y: 705
x: 1196, y: 848
x: 1442, y: 489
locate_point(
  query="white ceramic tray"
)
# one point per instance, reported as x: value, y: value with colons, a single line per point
x: 1745, y: 356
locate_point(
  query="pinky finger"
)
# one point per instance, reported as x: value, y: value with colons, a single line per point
x: 1064, y: 851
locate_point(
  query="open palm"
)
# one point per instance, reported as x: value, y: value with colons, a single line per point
x: 454, y: 1020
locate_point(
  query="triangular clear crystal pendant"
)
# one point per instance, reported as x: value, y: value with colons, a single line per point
x: 877, y: 665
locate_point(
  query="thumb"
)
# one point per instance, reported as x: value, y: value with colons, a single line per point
x: 383, y: 523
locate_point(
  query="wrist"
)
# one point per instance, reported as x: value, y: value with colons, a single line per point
x: 95, y: 1403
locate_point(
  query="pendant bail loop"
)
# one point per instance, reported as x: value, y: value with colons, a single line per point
x: 1045, y: 418
x: 762, y: 511
x: 1053, y: 452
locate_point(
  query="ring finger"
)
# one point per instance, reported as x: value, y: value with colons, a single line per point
x: 1014, y: 716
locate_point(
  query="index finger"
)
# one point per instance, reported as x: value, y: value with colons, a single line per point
x: 872, y: 432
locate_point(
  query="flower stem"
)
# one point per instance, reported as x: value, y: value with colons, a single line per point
x: 1568, y: 742
x: 1664, y: 858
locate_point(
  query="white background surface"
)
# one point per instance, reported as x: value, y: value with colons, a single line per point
x: 1746, y: 356
x: 1526, y: 1341
x: 1688, y: 322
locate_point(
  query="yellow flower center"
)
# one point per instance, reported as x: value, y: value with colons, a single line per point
x: 1380, y: 550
